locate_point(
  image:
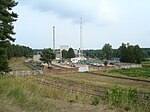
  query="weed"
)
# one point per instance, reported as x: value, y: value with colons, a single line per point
x: 115, y: 95
x: 132, y: 93
x: 147, y: 96
x: 126, y: 99
x: 95, y: 101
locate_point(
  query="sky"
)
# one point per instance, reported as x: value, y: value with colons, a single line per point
x: 104, y: 21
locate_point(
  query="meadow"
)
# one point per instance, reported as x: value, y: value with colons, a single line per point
x: 143, y: 72
x: 72, y: 92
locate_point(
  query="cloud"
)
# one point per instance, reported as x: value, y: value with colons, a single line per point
x: 113, y: 21
x: 91, y: 10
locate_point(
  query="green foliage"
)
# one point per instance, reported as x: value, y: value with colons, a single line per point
x: 70, y: 53
x: 146, y: 52
x: 134, y: 72
x: 64, y: 54
x: 115, y: 95
x: 130, y: 53
x: 132, y: 93
x: 116, y: 53
x: 18, y: 51
x: 47, y: 56
x: 147, y: 96
x: 106, y: 63
x: 3, y: 61
x: 17, y: 94
x: 107, y: 51
x: 92, y: 53
x: 95, y: 101
x: 34, y: 97
x: 7, y: 17
x: 127, y: 99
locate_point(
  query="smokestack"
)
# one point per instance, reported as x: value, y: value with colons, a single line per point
x: 81, y: 49
x: 54, y: 38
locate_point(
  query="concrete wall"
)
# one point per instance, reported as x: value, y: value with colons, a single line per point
x: 83, y: 68
x: 36, y: 58
x: 25, y: 73
x: 115, y: 67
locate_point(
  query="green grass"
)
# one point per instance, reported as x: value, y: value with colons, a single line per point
x: 24, y: 94
x: 31, y: 96
x: 18, y: 64
x: 133, y: 72
x: 100, y: 82
x: 34, y: 97
x: 146, y: 63
x: 127, y: 99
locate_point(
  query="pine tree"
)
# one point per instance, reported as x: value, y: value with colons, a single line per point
x: 7, y: 17
x: 3, y: 60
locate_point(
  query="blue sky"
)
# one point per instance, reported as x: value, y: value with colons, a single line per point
x: 104, y: 21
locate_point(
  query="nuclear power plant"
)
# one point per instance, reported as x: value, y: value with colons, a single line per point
x: 78, y: 53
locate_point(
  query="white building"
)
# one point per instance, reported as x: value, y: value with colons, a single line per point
x: 75, y: 52
x: 77, y: 59
x: 64, y: 47
x: 36, y: 58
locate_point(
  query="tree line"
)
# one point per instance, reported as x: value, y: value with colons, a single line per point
x: 8, y: 50
x: 126, y: 53
x: 130, y: 53
x: 18, y: 51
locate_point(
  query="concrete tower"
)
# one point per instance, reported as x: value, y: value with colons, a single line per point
x: 81, y: 47
x: 54, y: 38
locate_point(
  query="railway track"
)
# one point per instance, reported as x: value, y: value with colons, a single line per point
x: 119, y: 77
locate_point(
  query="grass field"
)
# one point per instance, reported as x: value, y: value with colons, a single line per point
x: 27, y: 95
x: 100, y: 81
x: 146, y: 63
x: 31, y: 94
x: 20, y: 94
x: 133, y: 72
x: 18, y: 64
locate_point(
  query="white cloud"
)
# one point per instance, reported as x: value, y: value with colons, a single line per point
x: 107, y: 11
x: 104, y: 21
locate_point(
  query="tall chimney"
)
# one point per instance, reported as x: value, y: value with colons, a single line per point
x: 81, y: 49
x: 54, y: 38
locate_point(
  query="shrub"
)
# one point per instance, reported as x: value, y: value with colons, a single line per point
x: 95, y: 101
x: 114, y: 95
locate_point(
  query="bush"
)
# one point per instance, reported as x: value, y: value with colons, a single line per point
x: 114, y: 95
x: 128, y: 99
x: 131, y: 98
x: 95, y: 101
